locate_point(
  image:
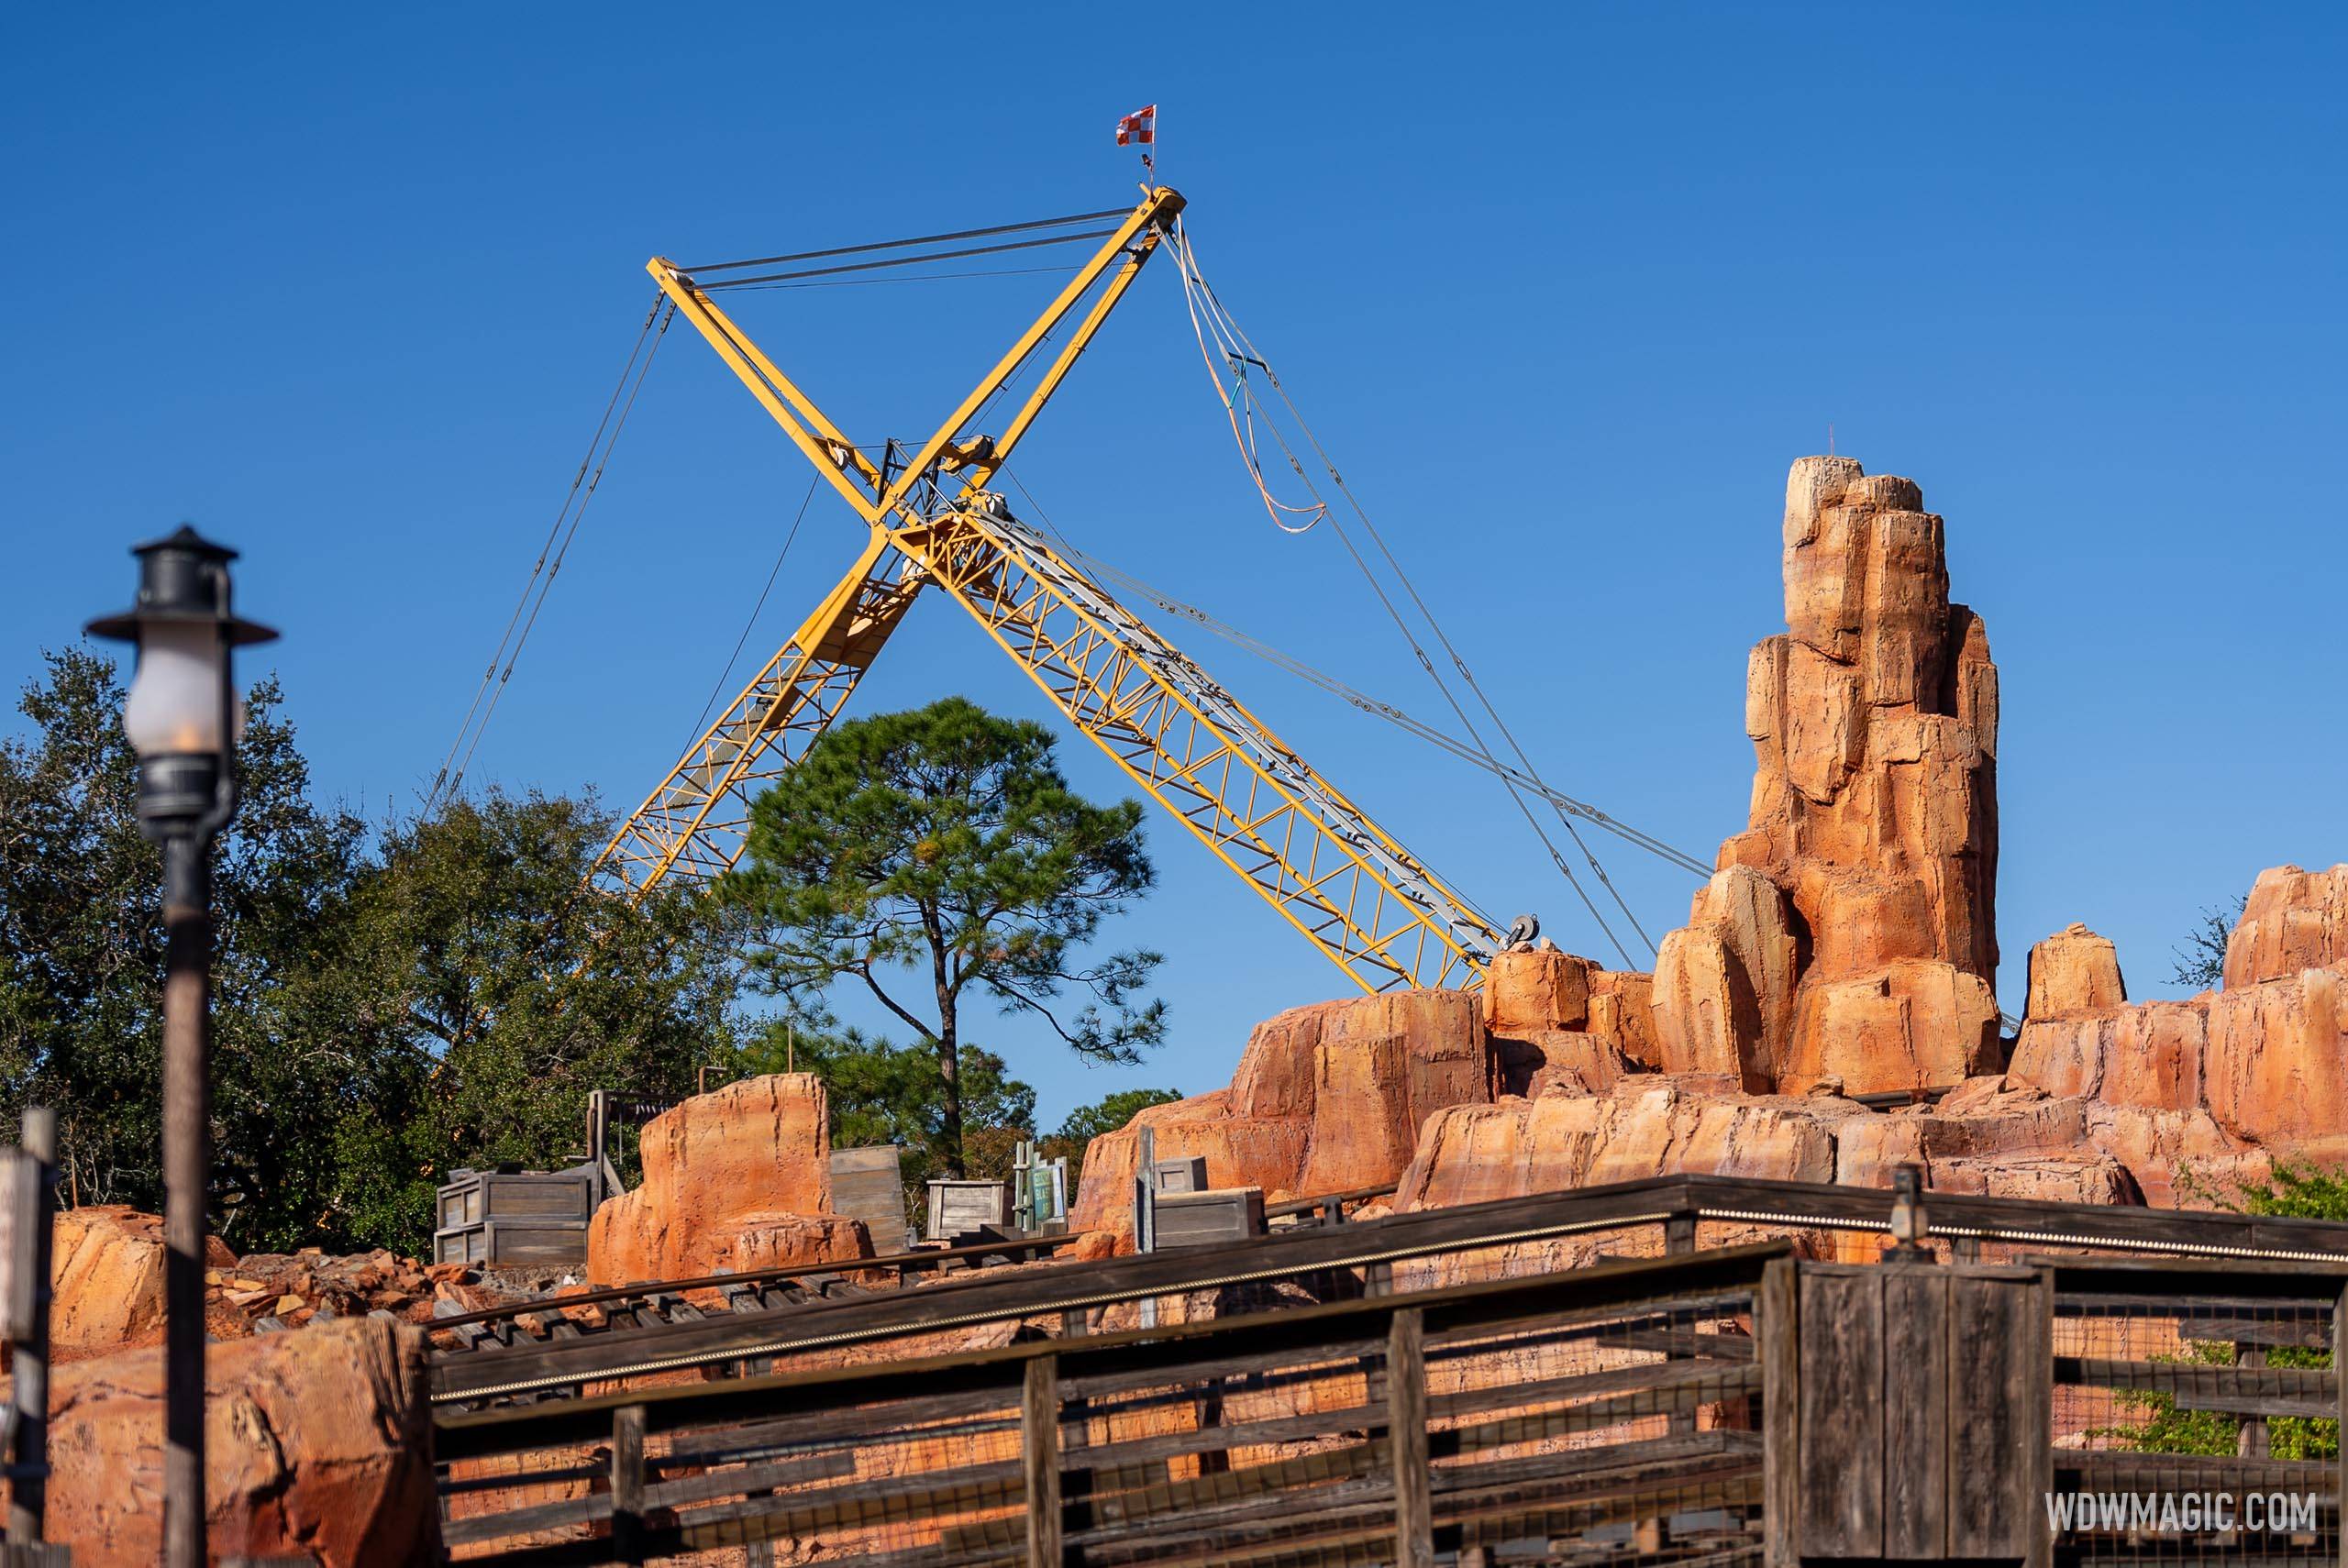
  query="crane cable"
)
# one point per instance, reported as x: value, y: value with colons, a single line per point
x: 1273, y: 655
x: 750, y: 626
x: 1240, y: 351
x: 544, y: 571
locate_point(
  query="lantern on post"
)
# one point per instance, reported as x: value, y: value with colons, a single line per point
x: 183, y: 717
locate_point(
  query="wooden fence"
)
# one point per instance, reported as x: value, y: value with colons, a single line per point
x: 27, y: 1206
x: 1473, y: 1387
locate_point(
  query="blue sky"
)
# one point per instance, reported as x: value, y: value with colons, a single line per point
x: 1565, y: 288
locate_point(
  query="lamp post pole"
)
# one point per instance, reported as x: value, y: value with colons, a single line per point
x: 187, y: 1173
x: 184, y: 719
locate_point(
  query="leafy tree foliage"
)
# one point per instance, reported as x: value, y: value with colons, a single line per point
x: 386, y: 1004
x: 478, y: 958
x: 82, y: 954
x: 2202, y: 962
x: 884, y: 1093
x: 2295, y: 1191
x: 937, y: 857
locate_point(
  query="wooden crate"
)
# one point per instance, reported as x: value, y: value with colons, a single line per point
x: 962, y: 1207
x: 869, y: 1185
x: 1209, y: 1219
x: 514, y: 1219
x: 1182, y: 1175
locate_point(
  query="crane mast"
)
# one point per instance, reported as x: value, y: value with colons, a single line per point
x: 1348, y: 886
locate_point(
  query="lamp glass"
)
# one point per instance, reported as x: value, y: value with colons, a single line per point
x: 174, y: 706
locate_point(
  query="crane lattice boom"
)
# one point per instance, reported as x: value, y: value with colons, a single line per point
x: 1352, y: 889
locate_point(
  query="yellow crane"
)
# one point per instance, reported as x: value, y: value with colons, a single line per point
x: 1354, y: 891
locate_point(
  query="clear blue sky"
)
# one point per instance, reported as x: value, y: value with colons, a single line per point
x: 1565, y: 288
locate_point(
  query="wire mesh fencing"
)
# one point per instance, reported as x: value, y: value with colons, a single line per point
x: 2193, y: 1428
x: 1504, y: 1422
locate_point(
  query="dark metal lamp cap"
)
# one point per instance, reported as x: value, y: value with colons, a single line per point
x: 183, y: 578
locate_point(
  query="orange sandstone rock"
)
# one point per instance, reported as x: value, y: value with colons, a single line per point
x: 1536, y: 988
x: 107, y: 1277
x: 318, y: 1445
x: 2293, y: 920
x: 1918, y: 1024
x: 2266, y: 1056
x: 1991, y: 1136
x: 1724, y: 982
x: 737, y: 1178
x: 2074, y: 972
x: 1850, y: 930
x: 1327, y: 1098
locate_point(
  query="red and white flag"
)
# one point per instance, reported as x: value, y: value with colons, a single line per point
x: 1138, y: 129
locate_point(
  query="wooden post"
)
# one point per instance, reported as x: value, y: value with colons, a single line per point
x: 2340, y: 1381
x: 2251, y: 1441
x: 627, y: 1484
x: 1040, y: 1427
x: 28, y: 1310
x: 1779, y: 1329
x: 1679, y: 1233
x: 1146, y: 1212
x: 1406, y: 1432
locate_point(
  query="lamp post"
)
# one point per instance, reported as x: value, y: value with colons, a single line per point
x: 184, y: 718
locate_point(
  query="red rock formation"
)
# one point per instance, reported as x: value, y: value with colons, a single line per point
x: 2267, y: 1056
x: 2293, y: 919
x: 1327, y: 1098
x: 2074, y: 972
x: 318, y: 1445
x: 738, y: 1178
x: 108, y: 1278
x: 1989, y: 1136
x: 1851, y: 932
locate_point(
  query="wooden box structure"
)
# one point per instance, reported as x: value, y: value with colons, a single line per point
x: 516, y: 1218
x: 1209, y: 1219
x: 966, y: 1208
x: 1919, y: 1427
x: 869, y: 1185
x: 1182, y: 1175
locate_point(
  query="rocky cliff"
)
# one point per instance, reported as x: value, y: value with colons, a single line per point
x: 1846, y: 945
x: 1850, y: 933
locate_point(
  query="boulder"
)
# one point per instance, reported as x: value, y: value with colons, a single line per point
x: 107, y: 1275
x: 1917, y: 1023
x: 2277, y: 1065
x: 1724, y: 982
x: 317, y: 1446
x: 1535, y: 988
x: 1327, y: 1098
x: 2293, y: 919
x: 2074, y: 972
x: 737, y: 1178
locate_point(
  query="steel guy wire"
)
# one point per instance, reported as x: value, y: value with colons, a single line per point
x: 1192, y: 278
x: 538, y: 566
x: 554, y: 569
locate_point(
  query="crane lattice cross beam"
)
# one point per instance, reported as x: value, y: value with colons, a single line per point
x: 1354, y: 891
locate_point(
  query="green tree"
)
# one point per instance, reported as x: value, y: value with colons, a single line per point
x: 474, y: 950
x: 2294, y: 1191
x: 80, y: 962
x: 386, y: 1005
x: 1087, y: 1122
x: 937, y: 856
x: 2202, y: 962
x: 885, y: 1093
